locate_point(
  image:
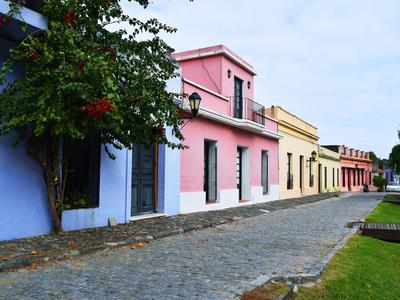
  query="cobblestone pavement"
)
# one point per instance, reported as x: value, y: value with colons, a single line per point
x: 24, y: 252
x: 216, y: 263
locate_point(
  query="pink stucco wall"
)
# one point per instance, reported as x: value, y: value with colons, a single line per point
x: 208, y: 67
x: 212, y: 71
x: 228, y: 139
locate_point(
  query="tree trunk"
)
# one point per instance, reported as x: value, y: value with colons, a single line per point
x: 44, y: 150
x: 52, y: 205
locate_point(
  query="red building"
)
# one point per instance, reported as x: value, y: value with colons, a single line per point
x: 355, y: 167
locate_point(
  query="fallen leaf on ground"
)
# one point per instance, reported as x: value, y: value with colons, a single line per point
x: 72, y: 245
x: 137, y: 245
x: 34, y: 252
x: 80, y: 265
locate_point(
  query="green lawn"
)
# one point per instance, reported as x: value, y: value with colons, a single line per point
x: 392, y: 197
x: 365, y: 268
x: 385, y: 213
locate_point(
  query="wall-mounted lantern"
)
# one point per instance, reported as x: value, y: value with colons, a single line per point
x: 194, y: 101
x: 248, y: 84
x: 229, y: 73
x: 313, y: 156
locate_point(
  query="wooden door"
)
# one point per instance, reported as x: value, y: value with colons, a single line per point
x: 143, y: 180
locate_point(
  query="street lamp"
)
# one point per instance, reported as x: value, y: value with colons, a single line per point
x: 313, y: 156
x: 194, y: 101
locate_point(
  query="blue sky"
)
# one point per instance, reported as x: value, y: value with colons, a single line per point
x: 336, y: 64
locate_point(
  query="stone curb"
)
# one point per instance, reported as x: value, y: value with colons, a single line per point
x: 38, y: 259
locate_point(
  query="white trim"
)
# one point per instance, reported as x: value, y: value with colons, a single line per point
x: 258, y: 196
x: 205, y: 89
x: 146, y: 216
x: 239, y: 123
x: 217, y: 52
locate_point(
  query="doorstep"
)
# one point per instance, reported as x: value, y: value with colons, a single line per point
x: 146, y: 216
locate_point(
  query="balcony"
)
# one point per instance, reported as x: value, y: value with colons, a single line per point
x: 245, y: 108
x: 35, y: 5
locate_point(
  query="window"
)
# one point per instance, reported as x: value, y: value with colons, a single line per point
x: 210, y: 170
x: 338, y: 177
x: 326, y: 177
x: 343, y: 177
x: 83, y: 172
x: 289, y: 172
x: 333, y: 177
x: 311, y: 175
x: 264, y: 171
x: 238, y: 98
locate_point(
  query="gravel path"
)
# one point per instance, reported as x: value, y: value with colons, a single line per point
x: 217, y: 263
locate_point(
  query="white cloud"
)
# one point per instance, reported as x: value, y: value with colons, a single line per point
x: 333, y: 63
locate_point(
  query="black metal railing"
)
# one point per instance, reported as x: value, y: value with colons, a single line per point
x: 245, y: 108
x: 35, y: 5
x: 289, y: 181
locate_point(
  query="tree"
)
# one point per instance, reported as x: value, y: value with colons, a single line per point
x: 82, y: 79
x: 380, y: 182
x: 373, y: 157
x: 394, y: 159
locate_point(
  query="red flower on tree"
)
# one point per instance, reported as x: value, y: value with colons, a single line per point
x: 112, y: 52
x: 81, y: 65
x: 70, y: 19
x: 34, y: 56
x: 5, y: 20
x: 97, y: 108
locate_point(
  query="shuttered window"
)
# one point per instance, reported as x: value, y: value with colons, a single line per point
x: 210, y: 170
x: 264, y: 171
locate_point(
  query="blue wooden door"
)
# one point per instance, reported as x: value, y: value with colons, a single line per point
x: 143, y: 183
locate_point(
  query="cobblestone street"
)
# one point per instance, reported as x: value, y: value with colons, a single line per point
x: 216, y: 263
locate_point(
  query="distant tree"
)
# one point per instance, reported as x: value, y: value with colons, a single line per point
x: 380, y: 182
x: 394, y: 159
x: 373, y: 157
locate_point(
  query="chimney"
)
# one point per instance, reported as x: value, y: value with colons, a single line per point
x: 346, y: 151
x: 351, y: 152
x: 367, y: 155
x: 362, y: 154
x: 357, y: 153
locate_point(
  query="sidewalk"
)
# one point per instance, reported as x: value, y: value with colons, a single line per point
x: 29, y: 251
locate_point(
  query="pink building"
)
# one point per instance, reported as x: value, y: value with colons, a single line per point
x: 356, y: 168
x: 232, y: 158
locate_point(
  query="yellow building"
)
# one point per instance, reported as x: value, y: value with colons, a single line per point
x: 298, y: 154
x: 328, y: 170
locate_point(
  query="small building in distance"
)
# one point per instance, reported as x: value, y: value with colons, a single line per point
x: 356, y: 168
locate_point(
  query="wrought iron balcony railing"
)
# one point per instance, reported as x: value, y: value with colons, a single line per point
x: 245, y: 108
x: 35, y: 5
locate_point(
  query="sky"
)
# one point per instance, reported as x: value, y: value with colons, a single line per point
x: 335, y: 64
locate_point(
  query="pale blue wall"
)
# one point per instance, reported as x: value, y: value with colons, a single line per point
x: 169, y: 178
x: 23, y: 206
x: 112, y: 196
